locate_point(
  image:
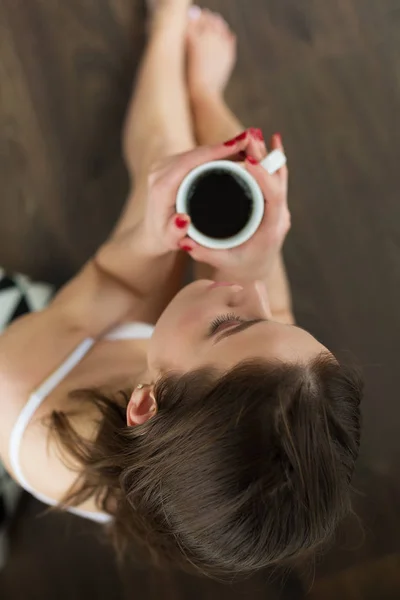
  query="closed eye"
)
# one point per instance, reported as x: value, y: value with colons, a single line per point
x: 238, y: 329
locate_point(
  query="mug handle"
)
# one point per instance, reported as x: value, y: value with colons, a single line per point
x: 274, y: 161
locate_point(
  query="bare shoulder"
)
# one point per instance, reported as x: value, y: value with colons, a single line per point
x: 30, y: 350
x: 47, y: 467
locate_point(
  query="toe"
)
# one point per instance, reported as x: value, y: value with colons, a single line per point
x: 195, y: 13
x: 220, y: 21
x: 221, y: 25
x: 206, y: 20
x: 216, y: 23
x: 194, y: 22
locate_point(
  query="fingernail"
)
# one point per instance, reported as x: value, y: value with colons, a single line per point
x: 252, y: 160
x: 238, y: 138
x: 241, y: 136
x: 257, y: 134
x: 186, y: 248
x: 278, y: 137
x: 231, y: 142
x: 194, y: 13
x: 181, y: 222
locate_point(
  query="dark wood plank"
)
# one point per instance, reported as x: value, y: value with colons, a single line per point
x: 68, y: 71
x: 372, y: 580
x: 327, y: 75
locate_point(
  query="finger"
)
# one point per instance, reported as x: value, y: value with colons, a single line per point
x: 271, y: 188
x: 276, y: 144
x: 197, y: 252
x: 177, y: 230
x: 184, y: 163
x: 257, y: 148
x: 239, y: 157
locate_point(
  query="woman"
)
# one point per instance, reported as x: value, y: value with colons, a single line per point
x: 224, y: 439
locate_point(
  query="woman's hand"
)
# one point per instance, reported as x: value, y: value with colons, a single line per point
x: 143, y: 257
x: 162, y: 229
x: 256, y: 258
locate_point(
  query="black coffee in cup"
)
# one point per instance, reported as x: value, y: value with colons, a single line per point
x: 220, y: 204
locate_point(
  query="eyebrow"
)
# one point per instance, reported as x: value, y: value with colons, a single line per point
x: 238, y: 329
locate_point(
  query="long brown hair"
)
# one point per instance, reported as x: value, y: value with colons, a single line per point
x: 236, y: 472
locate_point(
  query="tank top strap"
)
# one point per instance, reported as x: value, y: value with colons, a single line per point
x: 131, y: 331
x: 35, y: 400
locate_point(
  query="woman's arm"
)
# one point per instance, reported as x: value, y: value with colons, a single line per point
x: 152, y: 276
x: 93, y: 302
x: 36, y: 344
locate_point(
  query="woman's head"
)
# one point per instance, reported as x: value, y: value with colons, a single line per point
x: 218, y: 326
x: 237, y: 471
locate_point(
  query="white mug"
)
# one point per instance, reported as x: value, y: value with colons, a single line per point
x: 274, y: 161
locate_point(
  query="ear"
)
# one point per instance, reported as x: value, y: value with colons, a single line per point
x: 141, y: 407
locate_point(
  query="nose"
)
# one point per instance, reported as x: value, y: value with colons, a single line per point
x: 252, y: 297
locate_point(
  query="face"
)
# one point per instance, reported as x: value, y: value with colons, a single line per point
x: 222, y: 325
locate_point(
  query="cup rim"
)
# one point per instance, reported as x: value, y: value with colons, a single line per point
x: 258, y: 206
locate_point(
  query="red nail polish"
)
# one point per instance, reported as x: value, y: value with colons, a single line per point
x: 230, y: 143
x: 252, y: 160
x: 257, y: 134
x: 241, y: 137
x: 186, y: 248
x: 181, y: 222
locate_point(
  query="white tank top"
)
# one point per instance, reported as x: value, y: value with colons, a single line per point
x: 129, y: 331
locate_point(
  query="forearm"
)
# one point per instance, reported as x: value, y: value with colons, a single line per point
x: 152, y: 279
x: 93, y: 301
x: 158, y: 282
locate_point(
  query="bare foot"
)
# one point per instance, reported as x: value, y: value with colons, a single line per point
x: 211, y: 47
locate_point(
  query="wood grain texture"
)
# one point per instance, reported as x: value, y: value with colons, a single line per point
x: 326, y: 75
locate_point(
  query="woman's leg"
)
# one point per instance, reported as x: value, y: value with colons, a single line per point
x: 159, y: 120
x: 211, y: 59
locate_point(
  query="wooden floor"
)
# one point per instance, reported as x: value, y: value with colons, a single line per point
x: 325, y: 74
